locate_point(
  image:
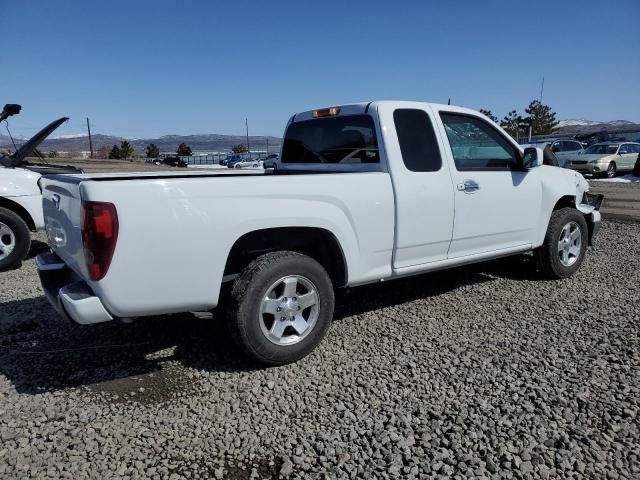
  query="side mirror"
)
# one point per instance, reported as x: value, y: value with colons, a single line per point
x: 533, y: 157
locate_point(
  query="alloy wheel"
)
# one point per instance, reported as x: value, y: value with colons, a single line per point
x: 570, y: 243
x: 289, y: 310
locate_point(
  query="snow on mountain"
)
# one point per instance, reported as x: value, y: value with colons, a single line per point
x: 581, y: 122
x: 577, y: 122
x: 71, y: 135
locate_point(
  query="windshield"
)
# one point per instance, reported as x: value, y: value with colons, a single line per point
x: 346, y: 139
x: 602, y: 149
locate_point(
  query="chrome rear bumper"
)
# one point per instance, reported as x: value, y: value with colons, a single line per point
x: 67, y: 293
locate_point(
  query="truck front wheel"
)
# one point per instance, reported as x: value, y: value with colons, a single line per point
x: 280, y: 307
x: 565, y: 244
x: 15, y: 239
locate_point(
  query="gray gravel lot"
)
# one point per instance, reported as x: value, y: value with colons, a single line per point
x: 479, y: 372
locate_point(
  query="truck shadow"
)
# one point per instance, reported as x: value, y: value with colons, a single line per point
x: 37, y: 247
x: 375, y: 296
x: 40, y: 352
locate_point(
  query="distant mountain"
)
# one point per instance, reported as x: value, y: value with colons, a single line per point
x: 580, y: 125
x: 208, y: 142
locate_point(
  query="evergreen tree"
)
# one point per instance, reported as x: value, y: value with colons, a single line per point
x: 153, y: 151
x: 489, y: 114
x: 239, y: 148
x: 541, y: 118
x: 184, y: 150
x: 115, y: 152
x: 126, y: 150
x: 512, y: 124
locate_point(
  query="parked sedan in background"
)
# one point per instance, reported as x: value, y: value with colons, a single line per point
x: 231, y: 160
x: 248, y: 164
x: 566, y: 151
x: 607, y: 158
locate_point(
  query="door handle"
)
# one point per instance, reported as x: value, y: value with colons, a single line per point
x: 468, y: 186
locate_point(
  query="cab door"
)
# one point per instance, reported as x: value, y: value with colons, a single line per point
x: 422, y: 184
x: 496, y: 204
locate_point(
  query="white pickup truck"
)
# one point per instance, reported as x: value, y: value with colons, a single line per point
x: 361, y: 193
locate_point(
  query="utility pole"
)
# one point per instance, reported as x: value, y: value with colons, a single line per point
x: 90, y: 141
x: 246, y: 124
x: 267, y: 145
x: 541, y: 89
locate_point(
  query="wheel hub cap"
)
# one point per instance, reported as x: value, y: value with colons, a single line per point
x: 570, y: 244
x: 7, y: 241
x: 289, y: 310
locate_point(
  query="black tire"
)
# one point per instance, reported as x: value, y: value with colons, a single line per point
x: 547, y: 256
x: 244, y: 319
x: 21, y: 239
x: 611, y: 170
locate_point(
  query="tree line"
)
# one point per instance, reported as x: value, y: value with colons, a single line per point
x: 125, y: 151
x: 540, y: 118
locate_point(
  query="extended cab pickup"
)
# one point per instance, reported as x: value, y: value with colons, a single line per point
x: 361, y: 193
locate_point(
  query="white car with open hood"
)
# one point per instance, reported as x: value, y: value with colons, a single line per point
x: 20, y: 193
x: 361, y: 193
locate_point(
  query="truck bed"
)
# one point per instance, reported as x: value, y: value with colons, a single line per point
x: 176, y: 230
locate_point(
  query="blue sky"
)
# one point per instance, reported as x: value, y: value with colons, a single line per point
x: 148, y: 68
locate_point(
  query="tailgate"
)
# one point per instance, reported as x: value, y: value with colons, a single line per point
x: 62, y: 206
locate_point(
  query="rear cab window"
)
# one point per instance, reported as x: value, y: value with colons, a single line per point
x: 417, y: 139
x: 340, y: 140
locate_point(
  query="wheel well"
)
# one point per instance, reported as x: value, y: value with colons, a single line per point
x: 18, y: 210
x: 317, y: 243
x: 566, y: 201
x: 569, y: 201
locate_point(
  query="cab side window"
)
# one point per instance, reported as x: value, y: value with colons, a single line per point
x: 476, y: 145
x: 623, y: 149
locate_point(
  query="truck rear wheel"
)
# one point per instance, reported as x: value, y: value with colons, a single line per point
x: 565, y: 244
x: 280, y: 307
x: 15, y: 239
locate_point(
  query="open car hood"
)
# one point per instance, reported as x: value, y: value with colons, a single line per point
x: 30, y: 145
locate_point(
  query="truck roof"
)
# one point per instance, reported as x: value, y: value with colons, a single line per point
x: 363, y: 107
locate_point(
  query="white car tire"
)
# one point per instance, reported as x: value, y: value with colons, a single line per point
x: 15, y: 239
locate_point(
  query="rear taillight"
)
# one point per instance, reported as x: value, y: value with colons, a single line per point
x: 99, y: 235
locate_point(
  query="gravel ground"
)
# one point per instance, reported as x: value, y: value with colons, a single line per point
x: 486, y: 372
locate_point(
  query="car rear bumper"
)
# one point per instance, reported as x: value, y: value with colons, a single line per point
x: 69, y: 295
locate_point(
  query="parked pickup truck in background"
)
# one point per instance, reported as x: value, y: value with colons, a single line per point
x: 361, y: 193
